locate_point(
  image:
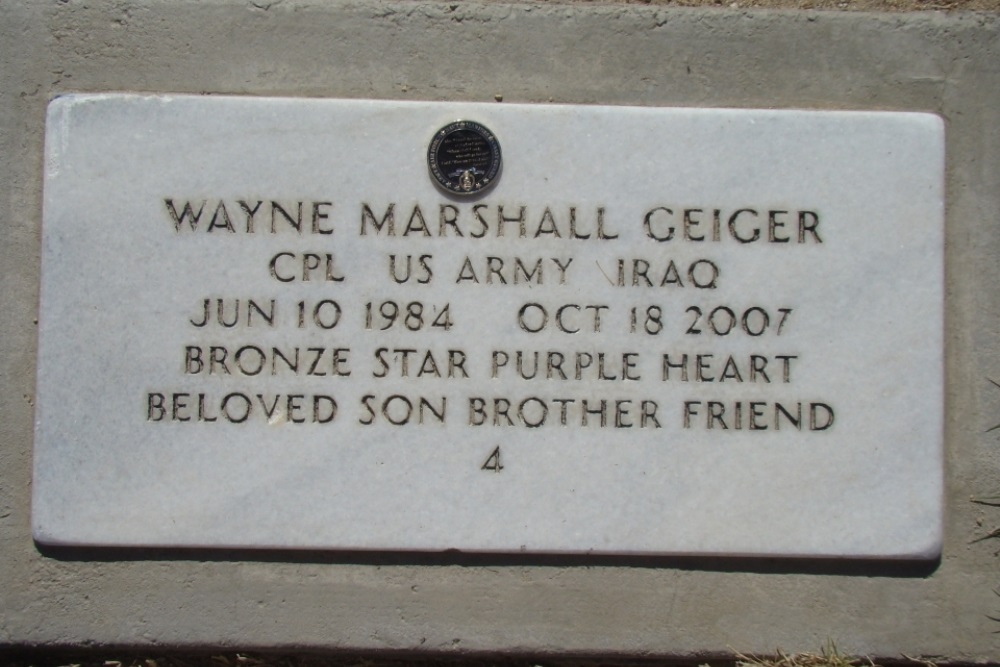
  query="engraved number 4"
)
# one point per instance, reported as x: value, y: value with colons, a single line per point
x: 493, y: 462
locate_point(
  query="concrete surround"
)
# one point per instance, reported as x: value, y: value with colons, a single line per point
x: 948, y: 64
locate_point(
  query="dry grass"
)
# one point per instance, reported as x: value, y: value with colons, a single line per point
x: 827, y: 657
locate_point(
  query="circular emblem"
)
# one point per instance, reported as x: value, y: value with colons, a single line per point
x: 464, y: 157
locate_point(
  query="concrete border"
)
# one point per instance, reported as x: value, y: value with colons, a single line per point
x: 629, y: 54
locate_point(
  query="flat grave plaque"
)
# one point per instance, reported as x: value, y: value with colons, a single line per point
x: 296, y: 323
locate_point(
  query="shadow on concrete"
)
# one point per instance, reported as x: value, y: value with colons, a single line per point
x: 902, y: 568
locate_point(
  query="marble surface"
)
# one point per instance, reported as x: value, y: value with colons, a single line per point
x: 809, y: 423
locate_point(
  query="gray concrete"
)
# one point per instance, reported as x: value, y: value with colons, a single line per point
x: 947, y: 64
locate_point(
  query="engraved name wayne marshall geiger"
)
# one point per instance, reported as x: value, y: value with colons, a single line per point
x: 747, y: 224
x: 504, y: 222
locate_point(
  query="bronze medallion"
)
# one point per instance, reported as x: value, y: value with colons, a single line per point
x: 464, y: 157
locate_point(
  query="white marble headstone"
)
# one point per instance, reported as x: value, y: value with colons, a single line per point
x: 663, y: 331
